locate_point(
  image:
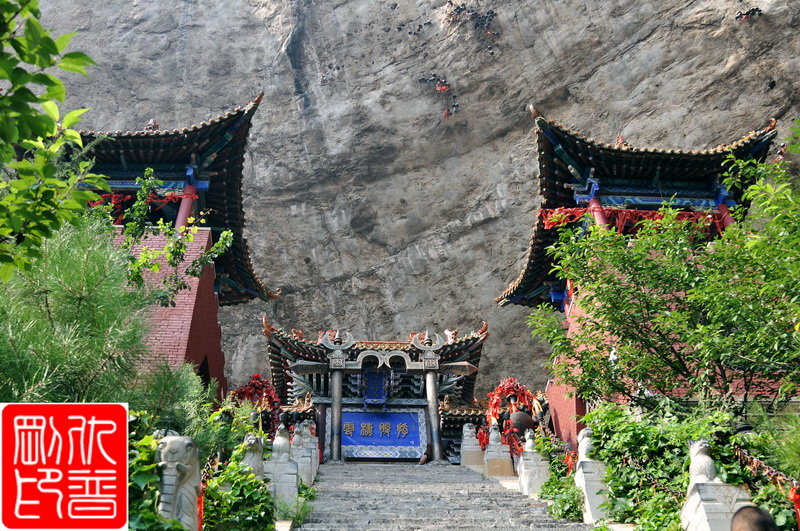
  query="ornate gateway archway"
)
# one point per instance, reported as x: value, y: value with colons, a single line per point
x: 376, y: 399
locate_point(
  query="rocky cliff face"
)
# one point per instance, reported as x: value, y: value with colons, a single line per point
x: 372, y: 212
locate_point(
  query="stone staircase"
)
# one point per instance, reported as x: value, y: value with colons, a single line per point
x: 395, y: 497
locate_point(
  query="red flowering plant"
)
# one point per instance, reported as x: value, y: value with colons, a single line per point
x: 264, y: 398
x: 483, y: 437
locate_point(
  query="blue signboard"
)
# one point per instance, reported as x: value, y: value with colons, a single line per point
x: 368, y: 428
x: 399, y: 433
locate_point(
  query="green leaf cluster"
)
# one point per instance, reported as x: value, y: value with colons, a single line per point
x: 35, y: 201
x: 658, y: 442
x: 560, y: 485
x: 143, y: 477
x: 236, y: 499
x: 718, y: 320
x: 173, y: 253
x: 71, y: 327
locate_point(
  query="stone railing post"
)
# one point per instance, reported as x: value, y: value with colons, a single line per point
x: 302, y: 454
x: 311, y: 441
x: 590, y: 478
x: 178, y: 459
x: 281, y: 471
x: 710, y: 504
x: 533, y: 468
x: 254, y: 454
x: 471, y: 453
x: 497, y: 458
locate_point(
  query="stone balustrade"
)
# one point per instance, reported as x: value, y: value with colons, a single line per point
x: 471, y: 452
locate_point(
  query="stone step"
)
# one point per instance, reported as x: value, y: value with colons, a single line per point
x: 395, y: 497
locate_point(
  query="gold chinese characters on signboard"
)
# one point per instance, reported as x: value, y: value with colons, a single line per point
x: 366, y: 429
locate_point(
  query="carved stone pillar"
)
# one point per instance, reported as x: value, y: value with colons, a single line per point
x: 432, y: 393
x: 337, y: 377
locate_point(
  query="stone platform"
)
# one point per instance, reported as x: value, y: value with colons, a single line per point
x: 394, y: 497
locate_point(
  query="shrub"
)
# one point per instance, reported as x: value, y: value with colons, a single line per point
x: 237, y: 499
x: 560, y: 486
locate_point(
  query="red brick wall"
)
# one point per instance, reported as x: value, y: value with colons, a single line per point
x: 205, y: 334
x: 188, y: 331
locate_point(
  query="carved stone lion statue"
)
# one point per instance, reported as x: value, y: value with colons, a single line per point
x: 254, y: 454
x: 529, y: 440
x: 585, y: 444
x: 280, y: 444
x: 494, y: 435
x: 701, y: 467
x: 468, y: 431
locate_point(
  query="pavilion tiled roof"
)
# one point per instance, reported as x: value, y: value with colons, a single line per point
x: 567, y: 159
x: 217, y: 148
x: 285, y: 348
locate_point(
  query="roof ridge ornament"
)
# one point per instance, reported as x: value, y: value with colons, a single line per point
x: 337, y: 343
x: 428, y: 344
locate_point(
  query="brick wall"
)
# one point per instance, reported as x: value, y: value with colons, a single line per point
x: 188, y: 331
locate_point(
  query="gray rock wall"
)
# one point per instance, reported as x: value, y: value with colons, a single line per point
x: 369, y: 210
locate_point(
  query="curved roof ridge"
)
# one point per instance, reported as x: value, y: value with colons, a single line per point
x: 270, y: 330
x: 242, y: 109
x: 579, y: 135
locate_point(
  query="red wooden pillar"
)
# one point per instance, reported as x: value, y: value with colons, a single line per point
x: 189, y: 191
x: 727, y: 219
x: 565, y: 409
x: 597, y: 211
x: 185, y: 207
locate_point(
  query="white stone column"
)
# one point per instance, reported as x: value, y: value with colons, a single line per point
x: 284, y: 480
x: 302, y: 455
x: 311, y: 442
x: 533, y: 472
x: 590, y: 478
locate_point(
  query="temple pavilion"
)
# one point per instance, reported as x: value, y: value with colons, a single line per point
x: 618, y: 185
x: 201, y: 169
x: 379, y: 399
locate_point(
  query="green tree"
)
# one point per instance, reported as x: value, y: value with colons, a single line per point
x: 71, y: 327
x: 715, y: 319
x: 34, y: 201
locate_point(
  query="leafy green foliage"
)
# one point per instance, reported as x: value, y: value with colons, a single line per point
x: 34, y: 201
x: 658, y: 443
x: 646, y: 457
x: 307, y: 492
x: 560, y: 486
x: 715, y: 320
x: 773, y: 500
x: 173, y: 253
x: 236, y: 499
x: 175, y: 398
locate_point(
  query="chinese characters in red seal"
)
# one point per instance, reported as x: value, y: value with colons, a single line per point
x: 63, y: 466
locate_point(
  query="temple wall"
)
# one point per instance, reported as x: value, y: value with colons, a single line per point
x: 205, y: 337
x: 370, y: 211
